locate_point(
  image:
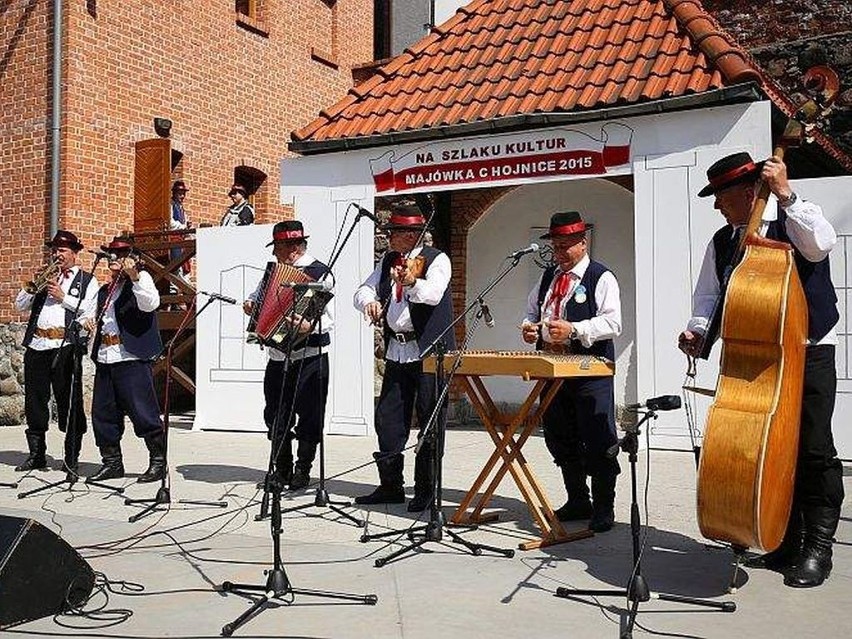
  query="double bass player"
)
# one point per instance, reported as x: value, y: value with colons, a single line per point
x: 804, y: 556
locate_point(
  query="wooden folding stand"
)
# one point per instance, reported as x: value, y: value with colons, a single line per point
x: 509, y: 431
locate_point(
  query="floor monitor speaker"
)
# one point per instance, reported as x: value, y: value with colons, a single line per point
x: 40, y: 573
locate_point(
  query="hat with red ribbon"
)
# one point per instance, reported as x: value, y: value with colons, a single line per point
x: 730, y: 170
x: 288, y: 231
x: 563, y: 224
x: 407, y: 221
x: 119, y: 246
x: 65, y: 239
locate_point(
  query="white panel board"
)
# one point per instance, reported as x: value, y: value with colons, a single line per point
x: 228, y: 371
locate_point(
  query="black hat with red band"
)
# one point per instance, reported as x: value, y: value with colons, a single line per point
x: 119, y: 246
x: 408, y: 221
x: 730, y: 170
x: 64, y: 239
x: 288, y: 231
x: 565, y: 224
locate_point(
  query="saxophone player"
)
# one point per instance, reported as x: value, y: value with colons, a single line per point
x: 53, y: 301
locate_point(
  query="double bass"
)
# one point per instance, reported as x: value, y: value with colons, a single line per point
x: 748, y: 458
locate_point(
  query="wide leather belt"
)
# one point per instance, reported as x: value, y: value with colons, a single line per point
x: 556, y: 349
x: 110, y: 340
x: 404, y: 338
x: 50, y: 333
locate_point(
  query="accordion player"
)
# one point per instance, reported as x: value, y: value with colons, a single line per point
x: 281, y: 315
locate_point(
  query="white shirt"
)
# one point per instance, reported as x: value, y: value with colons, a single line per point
x: 324, y: 325
x: 52, y: 314
x: 605, y: 325
x: 807, y: 229
x: 147, y: 299
x: 429, y: 290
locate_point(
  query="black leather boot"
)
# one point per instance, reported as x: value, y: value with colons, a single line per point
x: 603, y: 502
x: 423, y: 480
x: 284, y: 462
x: 813, y: 566
x: 306, y: 452
x: 113, y: 466
x: 36, y: 459
x: 784, y: 557
x: 390, y: 489
x: 578, y: 506
x: 156, y: 459
x: 73, y: 444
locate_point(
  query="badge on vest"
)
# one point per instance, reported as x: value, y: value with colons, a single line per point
x: 74, y: 291
x: 580, y: 294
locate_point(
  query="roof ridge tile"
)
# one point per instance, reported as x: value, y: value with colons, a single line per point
x: 728, y: 56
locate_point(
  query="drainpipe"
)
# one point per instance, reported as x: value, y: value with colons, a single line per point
x: 56, y: 115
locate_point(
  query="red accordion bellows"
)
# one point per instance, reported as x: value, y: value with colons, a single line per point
x: 275, y: 303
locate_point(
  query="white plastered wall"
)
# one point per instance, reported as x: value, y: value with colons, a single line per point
x: 669, y: 229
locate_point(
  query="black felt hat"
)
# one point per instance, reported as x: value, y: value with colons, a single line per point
x: 119, y: 246
x: 65, y: 239
x: 563, y: 224
x: 408, y: 221
x: 288, y: 231
x: 730, y: 170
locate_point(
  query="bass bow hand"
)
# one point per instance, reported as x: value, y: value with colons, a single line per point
x: 690, y: 343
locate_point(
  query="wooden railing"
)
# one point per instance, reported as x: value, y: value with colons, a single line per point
x: 164, y: 255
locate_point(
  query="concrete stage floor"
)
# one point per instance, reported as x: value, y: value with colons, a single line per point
x: 177, y: 556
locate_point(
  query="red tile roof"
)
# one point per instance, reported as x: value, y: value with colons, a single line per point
x: 498, y: 58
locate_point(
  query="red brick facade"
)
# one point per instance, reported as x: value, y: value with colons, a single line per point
x: 233, y: 87
x: 789, y: 37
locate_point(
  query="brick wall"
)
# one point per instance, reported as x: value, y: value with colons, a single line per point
x: 466, y: 208
x: 25, y: 33
x: 787, y: 37
x: 233, y: 89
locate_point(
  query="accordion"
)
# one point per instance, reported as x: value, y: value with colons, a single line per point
x: 275, y: 303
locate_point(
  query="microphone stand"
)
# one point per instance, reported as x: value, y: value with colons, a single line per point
x: 435, y: 429
x: 77, y: 350
x: 277, y: 585
x: 321, y: 498
x: 163, y: 495
x: 637, y: 590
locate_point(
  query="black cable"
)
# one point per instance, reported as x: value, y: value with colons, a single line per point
x: 103, y: 616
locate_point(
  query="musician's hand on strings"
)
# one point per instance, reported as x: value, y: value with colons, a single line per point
x: 373, y: 312
x: 88, y: 324
x: 402, y: 275
x: 774, y: 173
x: 248, y: 307
x: 529, y: 332
x: 559, y: 330
x: 690, y: 343
x: 55, y: 291
x: 130, y: 267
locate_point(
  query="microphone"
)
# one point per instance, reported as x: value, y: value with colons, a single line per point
x: 364, y: 212
x: 486, y: 315
x: 103, y: 255
x: 532, y: 248
x: 663, y: 402
x: 220, y: 297
x: 308, y: 286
